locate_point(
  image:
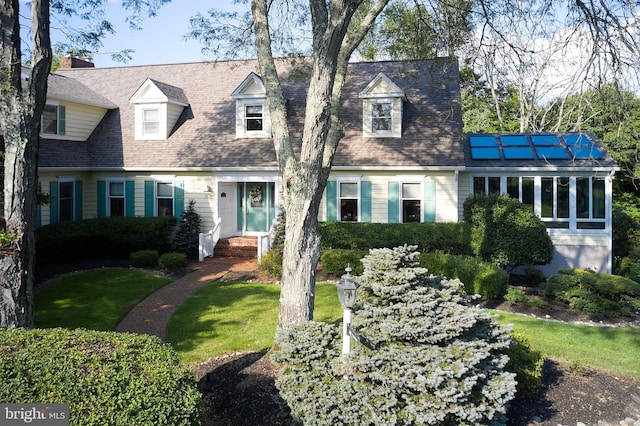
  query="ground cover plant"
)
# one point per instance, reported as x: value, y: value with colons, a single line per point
x: 428, y: 356
x: 225, y: 317
x: 96, y: 299
x: 105, y: 377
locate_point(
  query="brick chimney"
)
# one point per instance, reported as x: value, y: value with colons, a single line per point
x: 70, y: 62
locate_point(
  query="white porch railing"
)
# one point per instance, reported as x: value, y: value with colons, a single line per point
x: 265, y: 240
x: 208, y: 241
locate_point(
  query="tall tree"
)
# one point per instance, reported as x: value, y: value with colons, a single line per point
x: 23, y: 92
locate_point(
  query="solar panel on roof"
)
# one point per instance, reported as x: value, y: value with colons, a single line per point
x: 485, y: 153
x: 518, y: 140
x: 577, y: 139
x: 477, y: 141
x: 545, y: 140
x: 584, y: 152
x: 552, y: 152
x: 518, y: 153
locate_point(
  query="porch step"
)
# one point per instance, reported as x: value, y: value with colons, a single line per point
x: 237, y: 247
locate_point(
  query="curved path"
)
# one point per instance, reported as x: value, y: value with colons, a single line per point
x: 152, y: 314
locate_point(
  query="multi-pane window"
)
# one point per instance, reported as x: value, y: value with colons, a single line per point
x: 381, y: 117
x: 115, y: 198
x: 253, y: 118
x: 523, y: 189
x: 486, y: 185
x: 164, y: 199
x: 410, y: 195
x: 348, y: 201
x: 554, y: 201
x: 590, y: 204
x: 65, y: 201
x: 50, y: 120
x: 150, y: 121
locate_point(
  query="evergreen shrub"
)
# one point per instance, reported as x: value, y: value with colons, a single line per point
x: 108, y: 237
x: 525, y: 363
x: 454, y: 237
x: 271, y: 262
x: 186, y: 238
x: 334, y: 261
x: 599, y: 295
x: 106, y: 378
x: 144, y: 259
x: 173, y: 261
x: 479, y: 277
x: 427, y: 355
x: 506, y: 232
x: 516, y: 296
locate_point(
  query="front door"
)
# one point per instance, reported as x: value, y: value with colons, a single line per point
x: 255, y: 206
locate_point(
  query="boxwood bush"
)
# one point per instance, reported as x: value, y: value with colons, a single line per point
x: 448, y: 237
x: 110, y: 237
x: 173, y: 261
x: 144, y: 259
x: 479, y: 277
x: 599, y: 295
x: 427, y: 357
x: 106, y: 378
x: 334, y: 261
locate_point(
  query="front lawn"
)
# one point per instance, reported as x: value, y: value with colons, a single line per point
x: 96, y: 300
x: 235, y: 316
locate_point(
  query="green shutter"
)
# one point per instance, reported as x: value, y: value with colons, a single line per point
x: 365, y: 197
x: 39, y: 209
x: 130, y: 198
x: 102, y: 198
x: 178, y: 199
x: 62, y: 120
x: 393, y: 203
x: 149, y: 192
x: 429, y: 201
x: 53, y: 202
x: 332, y: 201
x: 77, y: 202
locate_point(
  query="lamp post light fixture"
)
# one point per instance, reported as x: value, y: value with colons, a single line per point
x: 347, y: 293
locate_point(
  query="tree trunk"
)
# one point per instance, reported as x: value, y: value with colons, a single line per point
x: 20, y: 112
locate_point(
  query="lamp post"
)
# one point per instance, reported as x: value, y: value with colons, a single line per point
x: 347, y: 293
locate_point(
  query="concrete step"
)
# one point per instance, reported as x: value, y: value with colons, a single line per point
x: 237, y: 247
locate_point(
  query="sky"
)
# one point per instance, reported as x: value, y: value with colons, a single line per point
x: 161, y: 40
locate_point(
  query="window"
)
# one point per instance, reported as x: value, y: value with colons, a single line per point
x: 53, y: 120
x: 486, y: 185
x: 555, y: 201
x: 590, y: 205
x: 348, y: 201
x: 522, y: 188
x: 253, y: 118
x: 164, y: 199
x: 65, y: 201
x: 381, y: 117
x: 150, y: 121
x: 116, y: 199
x: 410, y: 195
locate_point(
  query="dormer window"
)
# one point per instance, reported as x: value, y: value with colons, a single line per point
x: 157, y: 109
x: 252, y: 117
x: 382, y: 108
x: 53, y: 120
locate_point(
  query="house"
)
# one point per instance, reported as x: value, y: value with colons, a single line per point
x: 143, y: 140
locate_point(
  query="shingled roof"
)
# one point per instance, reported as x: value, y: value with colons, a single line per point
x: 205, y: 135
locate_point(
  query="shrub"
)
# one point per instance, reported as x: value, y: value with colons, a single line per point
x: 427, y: 237
x: 186, y: 238
x: 478, y: 277
x: 107, y: 378
x: 173, y: 261
x: 271, y: 262
x: 516, y: 296
x: 539, y: 303
x: 599, y: 295
x: 334, y: 261
x: 525, y: 363
x: 428, y: 356
x: 506, y: 232
x: 110, y: 237
x: 144, y: 259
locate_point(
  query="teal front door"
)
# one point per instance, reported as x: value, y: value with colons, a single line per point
x: 255, y: 206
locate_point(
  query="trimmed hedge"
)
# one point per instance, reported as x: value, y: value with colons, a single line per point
x: 334, y: 261
x: 144, y: 259
x: 105, y: 377
x: 110, y: 237
x: 478, y: 277
x: 599, y: 295
x: 173, y: 261
x: 454, y: 237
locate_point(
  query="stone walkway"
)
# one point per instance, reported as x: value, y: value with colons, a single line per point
x: 151, y: 316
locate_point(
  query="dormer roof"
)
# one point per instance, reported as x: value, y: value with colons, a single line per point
x: 251, y: 87
x: 154, y: 91
x: 382, y: 87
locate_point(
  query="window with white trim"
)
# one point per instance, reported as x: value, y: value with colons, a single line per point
x: 381, y: 117
x: 348, y: 201
x: 115, y: 198
x: 164, y: 199
x: 150, y: 122
x: 253, y: 118
x: 411, y: 201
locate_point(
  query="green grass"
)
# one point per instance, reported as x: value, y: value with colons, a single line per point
x: 227, y: 317
x: 95, y: 300
x: 614, y: 349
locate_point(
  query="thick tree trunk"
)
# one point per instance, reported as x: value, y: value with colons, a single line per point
x: 20, y: 112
